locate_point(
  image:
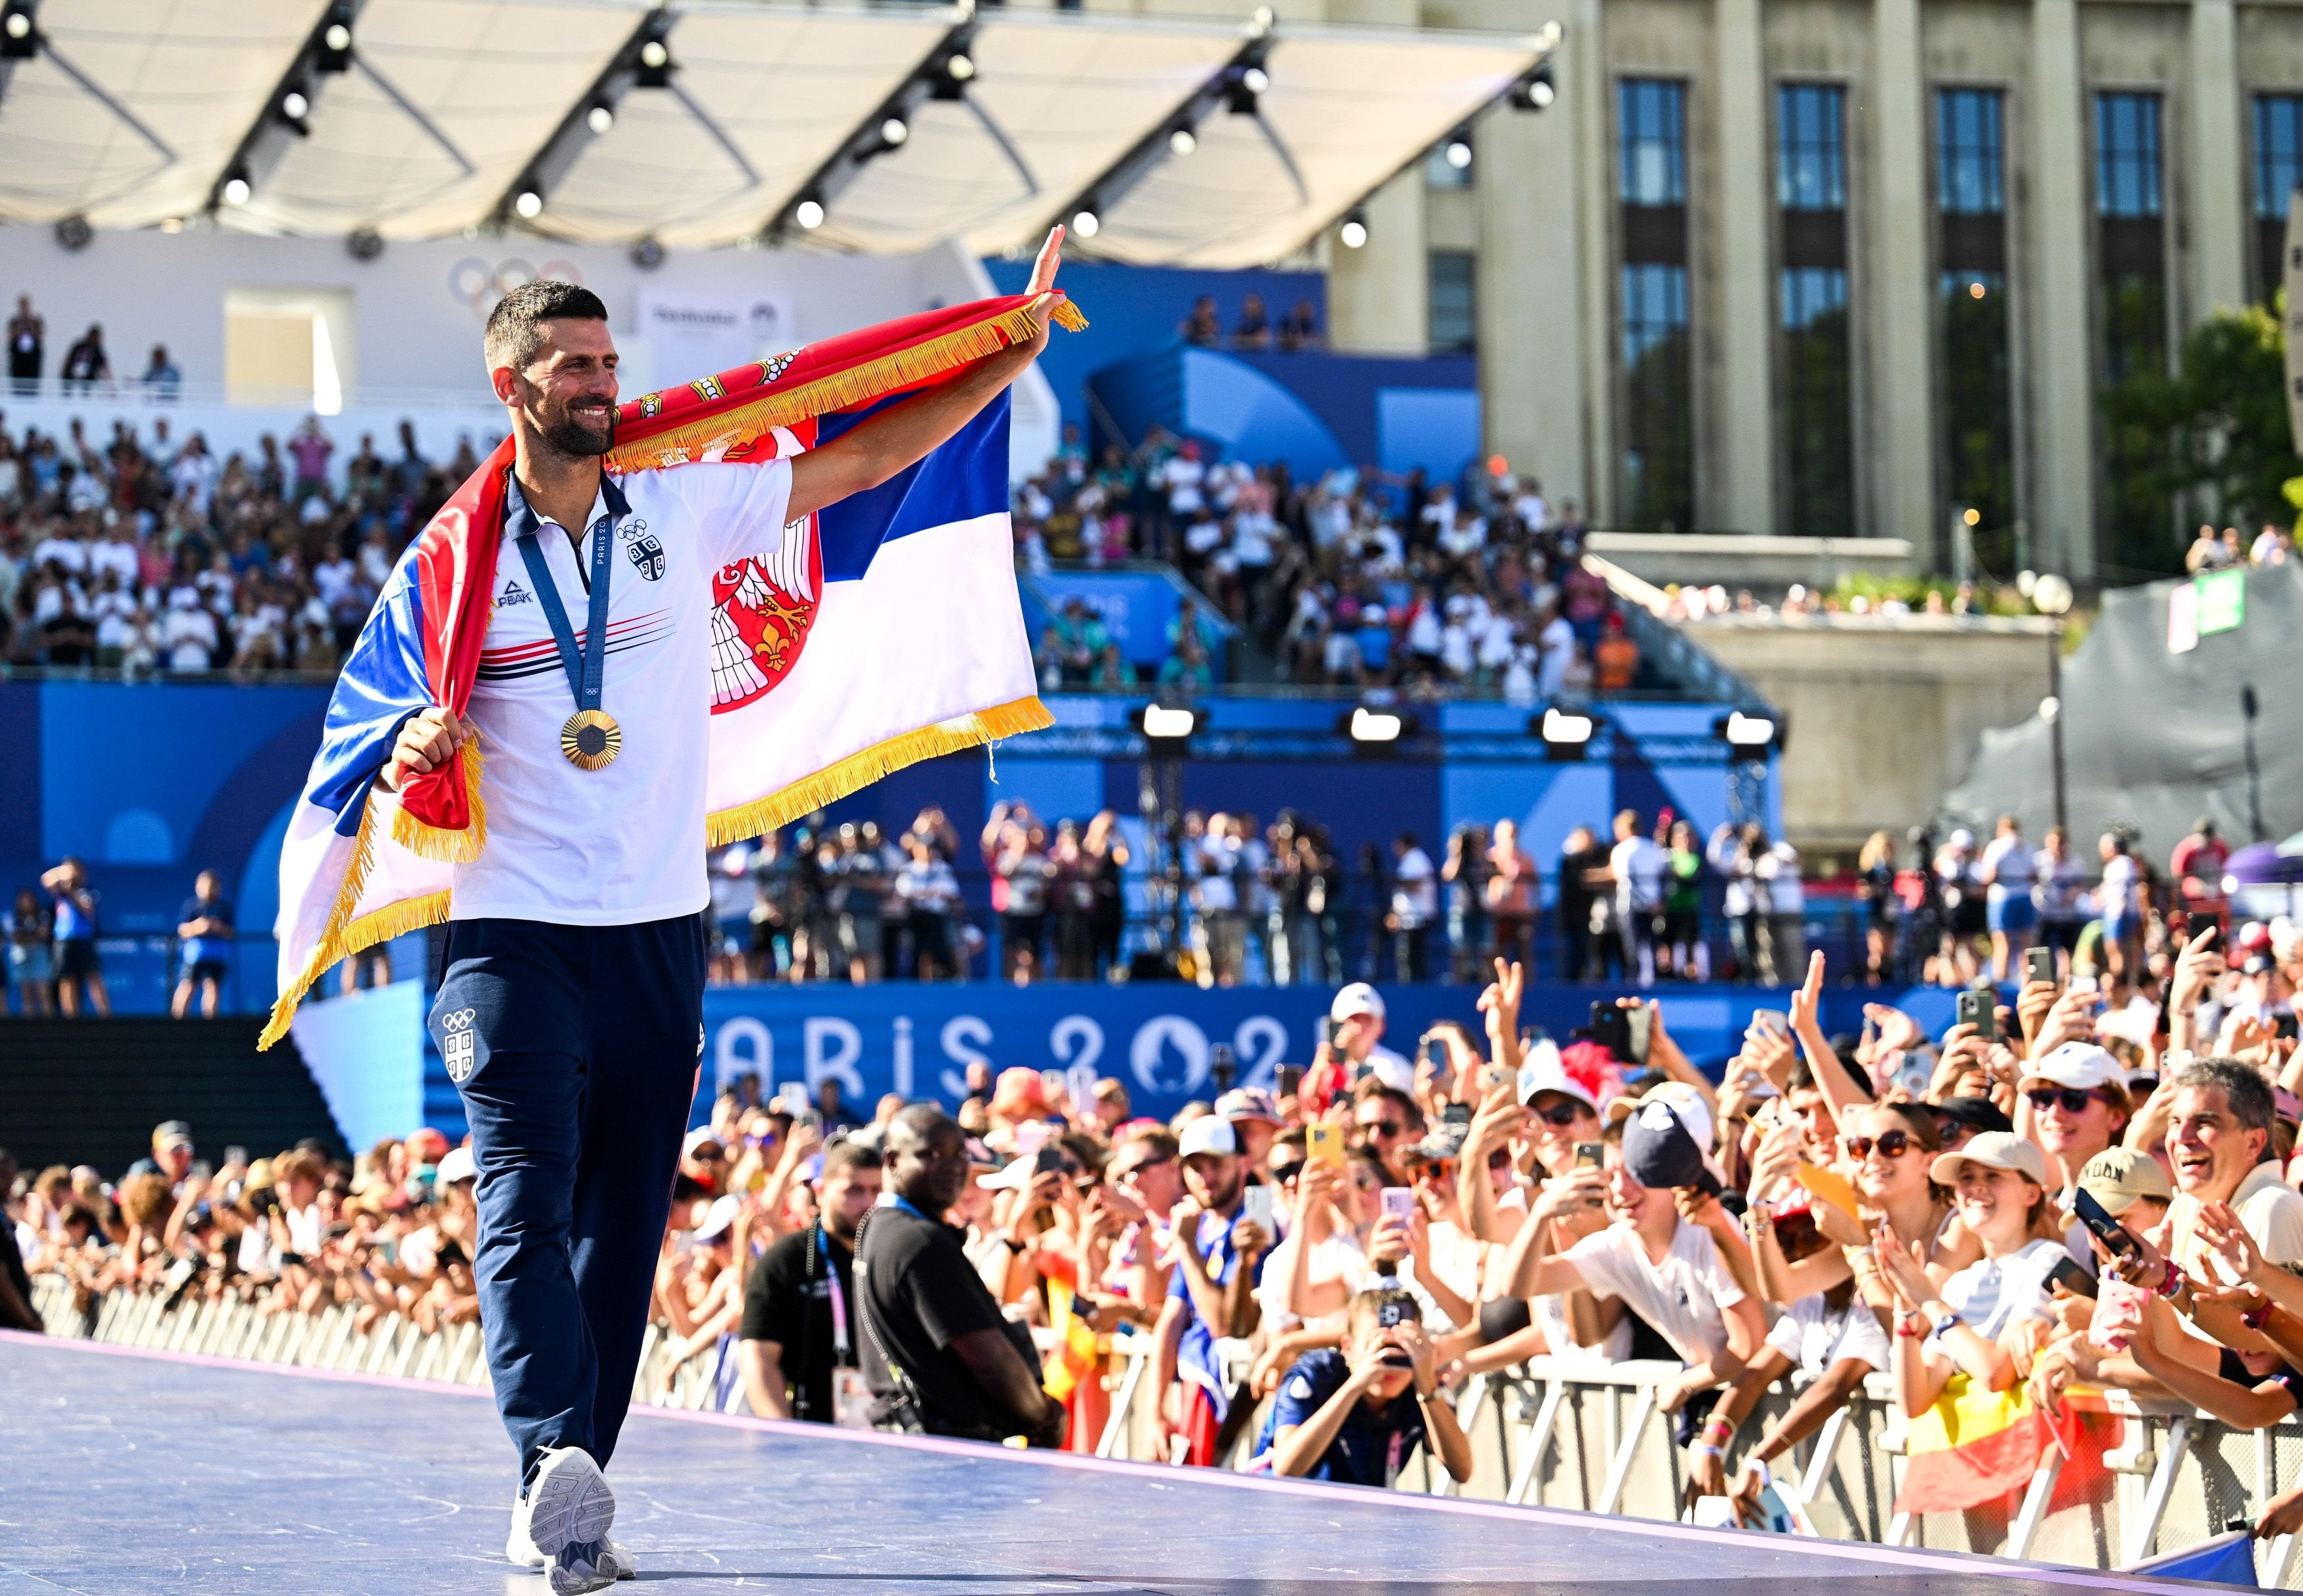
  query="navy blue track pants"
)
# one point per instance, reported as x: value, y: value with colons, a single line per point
x: 576, y: 1049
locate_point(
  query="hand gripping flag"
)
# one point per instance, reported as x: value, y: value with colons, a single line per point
x: 888, y: 630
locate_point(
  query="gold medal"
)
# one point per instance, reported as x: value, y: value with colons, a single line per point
x: 591, y: 739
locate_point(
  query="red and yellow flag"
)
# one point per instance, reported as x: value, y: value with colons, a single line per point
x: 1976, y: 1445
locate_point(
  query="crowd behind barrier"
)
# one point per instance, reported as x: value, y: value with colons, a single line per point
x: 1226, y: 901
x: 2025, y: 1287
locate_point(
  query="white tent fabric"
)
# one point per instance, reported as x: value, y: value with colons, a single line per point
x: 133, y: 110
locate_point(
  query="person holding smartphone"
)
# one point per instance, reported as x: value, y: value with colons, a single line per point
x: 1354, y: 1414
x: 2072, y: 1103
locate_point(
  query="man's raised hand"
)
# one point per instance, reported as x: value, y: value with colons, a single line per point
x: 428, y: 740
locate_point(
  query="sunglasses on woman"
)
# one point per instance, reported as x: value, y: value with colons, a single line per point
x: 2074, y: 1099
x: 1894, y: 1143
x: 1562, y: 1114
x: 1282, y: 1173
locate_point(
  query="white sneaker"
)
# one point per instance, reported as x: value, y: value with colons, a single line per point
x: 569, y: 1502
x: 582, y: 1565
x: 521, y: 1549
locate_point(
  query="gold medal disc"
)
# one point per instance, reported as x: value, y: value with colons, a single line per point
x: 591, y: 739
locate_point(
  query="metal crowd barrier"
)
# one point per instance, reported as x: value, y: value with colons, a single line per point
x: 1552, y: 1433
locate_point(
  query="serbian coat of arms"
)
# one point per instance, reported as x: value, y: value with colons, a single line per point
x: 761, y: 607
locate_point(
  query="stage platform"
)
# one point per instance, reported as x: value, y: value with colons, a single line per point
x: 132, y: 1472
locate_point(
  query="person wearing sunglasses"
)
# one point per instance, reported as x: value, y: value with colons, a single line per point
x: 2072, y: 1103
x: 1386, y: 1121
x: 1884, y: 1154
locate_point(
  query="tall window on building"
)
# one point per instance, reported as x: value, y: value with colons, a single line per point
x: 1816, y: 440
x: 2278, y: 168
x: 2131, y: 255
x: 1656, y: 468
x: 1976, y: 419
x: 1452, y: 306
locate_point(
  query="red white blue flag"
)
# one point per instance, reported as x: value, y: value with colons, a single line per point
x: 886, y: 630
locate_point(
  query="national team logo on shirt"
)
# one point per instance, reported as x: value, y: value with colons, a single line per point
x: 646, y: 553
x: 761, y: 609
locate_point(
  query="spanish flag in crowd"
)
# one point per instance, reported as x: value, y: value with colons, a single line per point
x: 1976, y: 1445
x: 888, y: 631
x: 1073, y: 1359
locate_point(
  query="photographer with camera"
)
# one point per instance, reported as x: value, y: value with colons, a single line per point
x: 1353, y: 1415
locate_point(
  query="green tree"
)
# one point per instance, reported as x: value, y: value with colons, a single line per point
x: 2215, y: 431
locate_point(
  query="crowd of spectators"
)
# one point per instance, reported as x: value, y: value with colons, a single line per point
x: 144, y: 552
x: 2034, y: 1198
x: 2212, y: 552
x: 1352, y: 580
x: 1236, y: 902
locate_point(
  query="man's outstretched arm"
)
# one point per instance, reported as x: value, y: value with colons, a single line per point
x: 866, y: 456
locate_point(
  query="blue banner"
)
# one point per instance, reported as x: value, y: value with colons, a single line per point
x: 919, y: 1040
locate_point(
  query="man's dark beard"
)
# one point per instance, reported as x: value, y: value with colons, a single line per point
x: 577, y: 441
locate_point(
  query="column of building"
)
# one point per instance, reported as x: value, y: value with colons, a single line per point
x: 1903, y: 486
x: 1743, y: 498
x: 2063, y: 476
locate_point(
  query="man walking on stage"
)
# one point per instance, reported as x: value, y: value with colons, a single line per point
x: 569, y: 1013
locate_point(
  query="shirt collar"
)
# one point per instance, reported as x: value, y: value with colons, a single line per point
x: 521, y: 518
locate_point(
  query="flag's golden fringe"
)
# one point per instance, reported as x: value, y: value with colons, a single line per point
x: 339, y: 917
x: 731, y: 429
x: 346, y: 935
x: 836, y: 781
x: 443, y: 846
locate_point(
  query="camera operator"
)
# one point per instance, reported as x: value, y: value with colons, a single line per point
x: 938, y: 1355
x: 1347, y: 1415
x: 796, y: 1302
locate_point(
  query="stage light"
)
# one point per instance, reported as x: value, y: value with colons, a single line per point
x: 363, y: 243
x: 1260, y: 22
x: 600, y: 118
x: 336, y: 52
x: 655, y: 65
x: 1565, y: 732
x: 809, y: 213
x: 1548, y: 37
x: 1536, y: 91
x: 1169, y: 723
x: 73, y: 232
x: 2051, y: 594
x: 1458, y: 154
x: 959, y: 68
x: 1354, y: 233
x: 647, y: 254
x: 529, y: 205
x: 1255, y: 80
x: 1088, y: 224
x: 294, y: 106
x: 1378, y: 727
x: 235, y: 189
x: 19, y: 25
x: 1747, y: 733
x: 1183, y: 141
x: 894, y: 131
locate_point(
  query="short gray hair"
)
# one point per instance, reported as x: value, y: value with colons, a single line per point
x: 514, y: 334
x: 2246, y: 1094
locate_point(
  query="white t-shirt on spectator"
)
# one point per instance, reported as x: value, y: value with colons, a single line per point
x: 1183, y: 479
x: 2269, y: 1209
x: 2116, y: 896
x: 1415, y: 892
x: 2008, y: 862
x: 1992, y: 1295
x: 1639, y: 866
x: 1814, y: 1337
x: 1557, y: 642
x: 623, y: 844
x: 1683, y: 1297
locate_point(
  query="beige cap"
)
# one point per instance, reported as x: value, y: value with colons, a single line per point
x: 2119, y: 1177
x: 1994, y: 1149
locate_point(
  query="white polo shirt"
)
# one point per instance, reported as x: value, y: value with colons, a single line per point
x: 623, y: 844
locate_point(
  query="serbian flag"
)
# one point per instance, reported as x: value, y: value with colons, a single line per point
x: 886, y: 631
x: 1976, y: 1445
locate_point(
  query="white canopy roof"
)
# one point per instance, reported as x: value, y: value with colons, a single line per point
x: 133, y: 111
